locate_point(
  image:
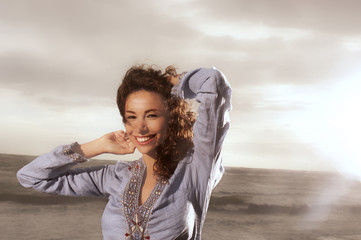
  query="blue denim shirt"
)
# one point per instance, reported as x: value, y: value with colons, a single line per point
x: 174, y: 210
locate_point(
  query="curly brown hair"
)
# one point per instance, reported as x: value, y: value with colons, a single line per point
x: 179, y: 139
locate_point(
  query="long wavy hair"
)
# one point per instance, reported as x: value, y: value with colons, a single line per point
x: 179, y: 138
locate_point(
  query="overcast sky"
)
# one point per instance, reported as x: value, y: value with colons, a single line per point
x: 294, y: 67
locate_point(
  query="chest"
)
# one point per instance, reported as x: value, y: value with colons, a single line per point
x: 139, y: 197
x: 146, y: 189
x: 166, y: 211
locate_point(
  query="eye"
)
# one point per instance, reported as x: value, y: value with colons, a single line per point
x: 130, y: 117
x: 152, y: 116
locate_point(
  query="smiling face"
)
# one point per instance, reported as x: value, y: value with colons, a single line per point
x: 146, y: 121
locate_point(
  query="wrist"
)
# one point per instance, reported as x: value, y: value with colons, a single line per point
x: 93, y: 148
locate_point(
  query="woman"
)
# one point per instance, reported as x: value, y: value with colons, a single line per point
x: 164, y: 194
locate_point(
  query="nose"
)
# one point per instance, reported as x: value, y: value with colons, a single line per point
x: 141, y: 126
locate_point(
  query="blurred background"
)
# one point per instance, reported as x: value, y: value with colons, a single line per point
x: 293, y: 66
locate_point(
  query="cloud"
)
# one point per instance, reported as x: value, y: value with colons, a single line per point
x: 63, y: 57
x: 77, y: 56
x: 332, y: 16
x: 53, y: 52
x: 90, y: 45
x: 319, y: 59
x: 271, y: 147
x: 69, y: 57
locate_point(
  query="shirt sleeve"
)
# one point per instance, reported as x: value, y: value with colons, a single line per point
x: 212, y: 91
x: 52, y: 173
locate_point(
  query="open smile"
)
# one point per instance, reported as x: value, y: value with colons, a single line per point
x: 145, y: 139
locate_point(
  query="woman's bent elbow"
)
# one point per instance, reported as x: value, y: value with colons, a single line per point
x: 23, y: 179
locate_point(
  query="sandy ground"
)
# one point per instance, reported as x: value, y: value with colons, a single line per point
x: 249, y: 204
x: 79, y: 220
x: 336, y: 226
x: 56, y: 222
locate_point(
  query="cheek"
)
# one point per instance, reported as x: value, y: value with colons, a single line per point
x: 128, y: 128
x: 158, y: 126
x: 163, y: 128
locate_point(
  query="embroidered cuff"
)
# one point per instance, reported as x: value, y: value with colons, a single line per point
x: 69, y: 151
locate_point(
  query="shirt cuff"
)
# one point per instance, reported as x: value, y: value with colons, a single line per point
x: 70, y: 151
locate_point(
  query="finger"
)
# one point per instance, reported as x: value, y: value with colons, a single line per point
x: 120, y: 132
x: 126, y: 137
x: 119, y: 136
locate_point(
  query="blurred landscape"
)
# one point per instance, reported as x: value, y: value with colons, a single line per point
x: 247, y: 204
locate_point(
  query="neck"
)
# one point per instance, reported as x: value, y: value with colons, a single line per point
x: 149, y: 162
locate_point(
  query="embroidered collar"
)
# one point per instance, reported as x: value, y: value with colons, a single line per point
x: 137, y: 216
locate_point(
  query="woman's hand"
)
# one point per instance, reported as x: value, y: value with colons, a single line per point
x: 115, y: 143
x: 174, y: 80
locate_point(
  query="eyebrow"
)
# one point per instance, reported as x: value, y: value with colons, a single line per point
x: 147, y: 111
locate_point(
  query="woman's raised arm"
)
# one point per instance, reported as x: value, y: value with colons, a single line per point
x: 115, y: 143
x: 213, y: 92
x: 52, y: 173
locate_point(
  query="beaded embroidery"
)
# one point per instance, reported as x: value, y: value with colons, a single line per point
x: 138, y: 216
x: 73, y: 155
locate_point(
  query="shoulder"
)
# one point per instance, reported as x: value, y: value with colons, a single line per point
x: 121, y: 166
x: 124, y: 168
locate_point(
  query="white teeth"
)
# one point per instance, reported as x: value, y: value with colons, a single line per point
x: 142, y: 139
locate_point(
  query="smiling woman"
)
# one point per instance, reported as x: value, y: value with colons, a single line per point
x: 164, y: 194
x: 146, y: 121
x: 145, y: 101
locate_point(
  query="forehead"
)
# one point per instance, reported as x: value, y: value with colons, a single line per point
x: 144, y: 100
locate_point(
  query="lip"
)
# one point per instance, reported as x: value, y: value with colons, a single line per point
x: 143, y: 140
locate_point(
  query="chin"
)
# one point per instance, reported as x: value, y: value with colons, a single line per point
x: 146, y: 151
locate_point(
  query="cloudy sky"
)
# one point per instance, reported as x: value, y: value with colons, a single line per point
x: 293, y: 66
